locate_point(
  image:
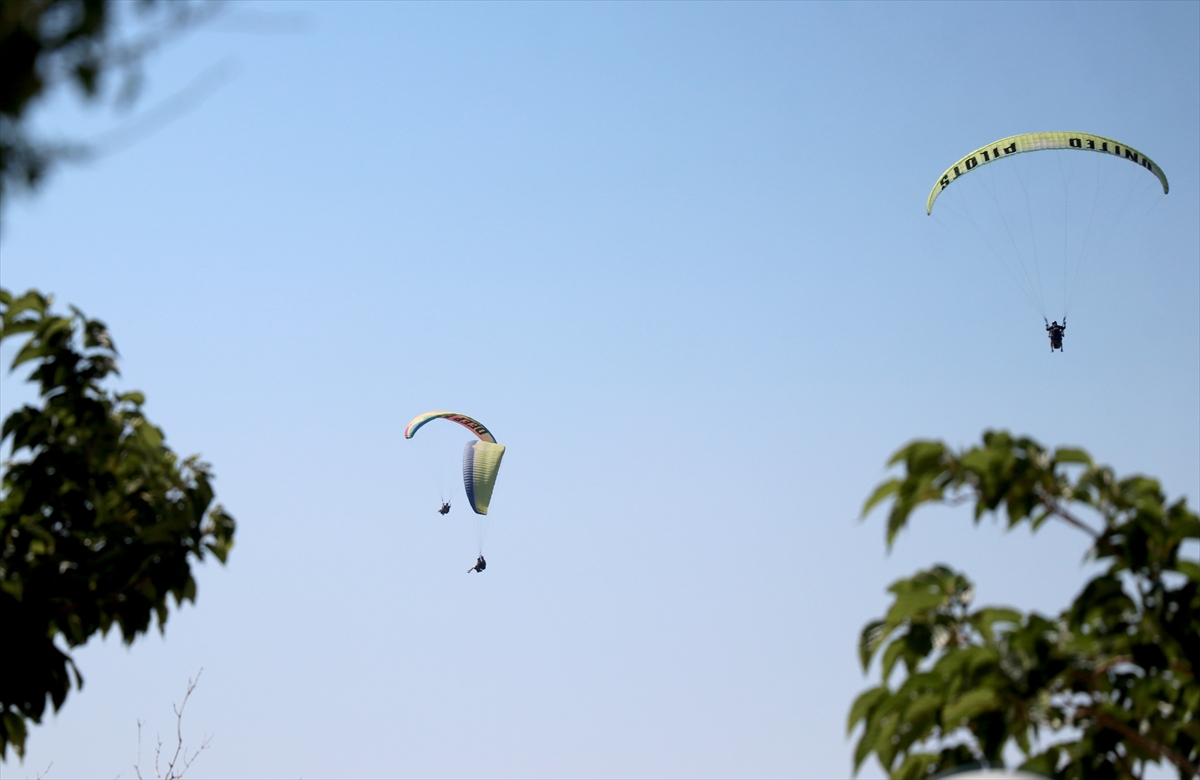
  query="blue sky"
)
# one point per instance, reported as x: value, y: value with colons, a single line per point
x: 676, y: 257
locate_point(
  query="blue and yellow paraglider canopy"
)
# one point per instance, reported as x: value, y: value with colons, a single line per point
x: 481, y: 459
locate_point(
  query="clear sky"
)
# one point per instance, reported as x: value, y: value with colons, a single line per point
x: 676, y: 257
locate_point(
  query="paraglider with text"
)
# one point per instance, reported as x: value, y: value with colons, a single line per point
x: 1080, y: 204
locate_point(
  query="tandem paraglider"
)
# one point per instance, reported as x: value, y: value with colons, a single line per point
x: 481, y: 465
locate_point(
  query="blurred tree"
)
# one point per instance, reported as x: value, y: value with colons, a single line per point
x: 99, y: 521
x: 1099, y: 691
x: 47, y: 43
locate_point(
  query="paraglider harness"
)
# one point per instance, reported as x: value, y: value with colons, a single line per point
x: 1056, y: 332
x: 480, y: 565
x: 445, y: 510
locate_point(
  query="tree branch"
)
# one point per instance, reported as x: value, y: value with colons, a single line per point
x: 171, y: 774
x: 1104, y: 666
x: 1133, y: 736
x: 1062, y: 514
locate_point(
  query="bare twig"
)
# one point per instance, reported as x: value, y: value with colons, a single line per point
x: 137, y: 765
x: 180, y: 759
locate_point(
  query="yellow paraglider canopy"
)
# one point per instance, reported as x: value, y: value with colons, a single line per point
x: 1034, y: 142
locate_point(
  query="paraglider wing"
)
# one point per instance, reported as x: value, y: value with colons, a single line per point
x: 481, y: 464
x: 1033, y: 142
x: 481, y: 459
x: 474, y: 426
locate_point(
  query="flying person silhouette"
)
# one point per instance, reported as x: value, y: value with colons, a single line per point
x: 1056, y: 333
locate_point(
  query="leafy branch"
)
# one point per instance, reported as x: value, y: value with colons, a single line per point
x: 99, y: 519
x: 1111, y: 678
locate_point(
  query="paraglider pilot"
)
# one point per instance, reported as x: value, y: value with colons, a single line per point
x: 445, y: 510
x: 1056, y: 332
x: 480, y: 565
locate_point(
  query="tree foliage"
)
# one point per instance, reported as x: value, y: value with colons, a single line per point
x: 99, y: 520
x: 1099, y: 691
x: 44, y: 43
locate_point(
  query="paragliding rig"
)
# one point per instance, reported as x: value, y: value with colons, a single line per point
x: 1056, y: 333
x: 1057, y: 141
x: 481, y: 464
x: 481, y: 459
